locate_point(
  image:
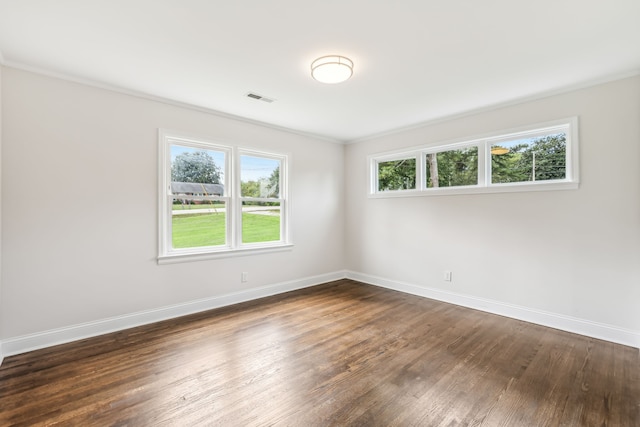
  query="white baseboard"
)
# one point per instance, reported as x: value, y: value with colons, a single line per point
x: 552, y: 320
x: 25, y: 343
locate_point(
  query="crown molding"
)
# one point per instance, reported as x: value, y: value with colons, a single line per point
x: 516, y: 101
x: 168, y: 101
x: 429, y: 122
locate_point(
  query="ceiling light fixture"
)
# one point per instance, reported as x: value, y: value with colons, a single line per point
x: 332, y: 69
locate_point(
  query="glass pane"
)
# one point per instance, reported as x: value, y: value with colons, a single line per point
x: 260, y: 222
x: 198, y: 223
x: 397, y: 175
x: 191, y: 165
x: 452, y: 168
x: 529, y: 159
x: 259, y: 177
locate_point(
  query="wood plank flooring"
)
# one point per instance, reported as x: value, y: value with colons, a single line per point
x: 342, y: 353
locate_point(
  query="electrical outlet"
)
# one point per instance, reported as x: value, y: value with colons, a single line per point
x: 447, y: 276
x: 244, y: 276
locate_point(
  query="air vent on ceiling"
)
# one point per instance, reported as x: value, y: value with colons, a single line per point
x: 260, y: 97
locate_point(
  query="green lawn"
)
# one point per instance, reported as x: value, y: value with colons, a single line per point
x: 209, y: 229
x: 260, y: 228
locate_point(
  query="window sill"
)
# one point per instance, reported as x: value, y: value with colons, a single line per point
x: 496, y: 188
x: 227, y: 253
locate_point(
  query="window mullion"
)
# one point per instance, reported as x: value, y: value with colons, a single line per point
x: 236, y: 226
x: 421, y: 178
x: 484, y: 165
x: 168, y: 223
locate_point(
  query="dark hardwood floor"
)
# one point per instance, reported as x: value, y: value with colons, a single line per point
x: 342, y: 353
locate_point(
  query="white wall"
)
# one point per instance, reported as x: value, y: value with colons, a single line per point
x: 79, y: 207
x: 568, y: 253
x: 1, y: 328
x: 79, y: 221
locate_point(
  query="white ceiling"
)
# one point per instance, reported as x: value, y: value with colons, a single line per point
x: 415, y: 60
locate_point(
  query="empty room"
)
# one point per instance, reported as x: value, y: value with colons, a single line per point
x: 298, y: 213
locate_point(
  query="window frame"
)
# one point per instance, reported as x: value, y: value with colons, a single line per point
x: 454, y: 147
x: 231, y: 197
x: 395, y: 157
x: 484, y: 143
x: 281, y: 199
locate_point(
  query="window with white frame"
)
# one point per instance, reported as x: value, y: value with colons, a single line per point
x: 452, y: 167
x: 261, y: 198
x: 540, y: 157
x: 396, y: 173
x: 217, y: 199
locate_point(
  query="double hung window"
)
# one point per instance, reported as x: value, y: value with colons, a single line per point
x: 217, y: 200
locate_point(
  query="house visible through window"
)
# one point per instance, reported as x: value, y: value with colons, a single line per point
x: 217, y: 199
x: 197, y: 197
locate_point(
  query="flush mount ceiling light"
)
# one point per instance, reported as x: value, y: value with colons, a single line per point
x: 332, y: 69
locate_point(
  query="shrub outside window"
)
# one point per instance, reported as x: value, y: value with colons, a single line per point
x: 452, y: 168
x: 397, y: 174
x: 218, y: 200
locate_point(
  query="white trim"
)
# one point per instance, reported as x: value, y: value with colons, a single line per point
x: 479, y: 138
x: 498, y: 105
x: 495, y: 188
x: 130, y: 92
x: 571, y: 181
x: 429, y: 122
x: 25, y: 343
x: 223, y: 253
x: 232, y: 198
x: 374, y: 179
x: 540, y: 317
x: 283, y: 198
